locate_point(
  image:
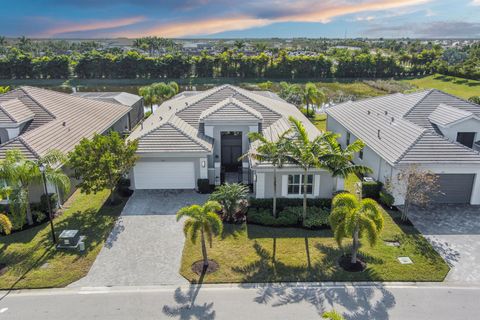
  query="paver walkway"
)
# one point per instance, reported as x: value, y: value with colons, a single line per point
x: 145, y: 246
x: 454, y: 231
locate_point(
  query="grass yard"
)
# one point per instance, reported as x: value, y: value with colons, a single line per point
x: 460, y: 87
x: 263, y: 254
x: 320, y: 121
x: 34, y: 263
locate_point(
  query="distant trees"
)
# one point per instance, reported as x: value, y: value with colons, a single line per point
x: 154, y: 57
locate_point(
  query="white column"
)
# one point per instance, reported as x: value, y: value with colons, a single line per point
x: 217, y: 173
x: 284, y: 185
x: 253, y: 128
x: 203, y: 168
x: 209, y: 131
x: 260, y: 185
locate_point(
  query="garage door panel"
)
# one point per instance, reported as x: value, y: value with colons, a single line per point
x: 164, y: 175
x: 455, y: 188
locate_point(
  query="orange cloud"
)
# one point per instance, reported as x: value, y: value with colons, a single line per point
x: 200, y: 27
x: 92, y: 26
x: 297, y: 11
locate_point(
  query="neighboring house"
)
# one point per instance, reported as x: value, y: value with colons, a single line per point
x: 201, y: 135
x: 127, y: 99
x: 35, y: 121
x: 431, y: 129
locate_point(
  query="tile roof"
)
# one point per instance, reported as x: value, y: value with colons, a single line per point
x: 223, y: 102
x: 445, y: 115
x: 125, y: 98
x: 14, y: 112
x: 231, y: 109
x: 398, y: 127
x: 60, y: 120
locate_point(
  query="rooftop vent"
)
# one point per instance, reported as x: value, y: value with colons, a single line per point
x: 378, y: 134
x: 186, y: 103
x: 169, y: 107
x: 160, y: 118
x: 386, y: 112
x: 64, y: 124
x: 392, y: 120
x: 368, y: 111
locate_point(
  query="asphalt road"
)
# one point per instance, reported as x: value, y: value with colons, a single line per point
x: 232, y: 302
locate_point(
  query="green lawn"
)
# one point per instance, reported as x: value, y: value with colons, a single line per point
x: 320, y: 121
x: 263, y: 254
x: 34, y: 263
x: 460, y: 87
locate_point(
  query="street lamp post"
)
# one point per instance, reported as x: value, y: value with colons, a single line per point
x: 50, y: 218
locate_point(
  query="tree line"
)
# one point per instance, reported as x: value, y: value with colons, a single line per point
x: 132, y: 64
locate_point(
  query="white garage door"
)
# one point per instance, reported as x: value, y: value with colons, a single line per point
x: 164, y: 175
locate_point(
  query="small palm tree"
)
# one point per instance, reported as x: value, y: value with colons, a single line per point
x: 230, y: 195
x: 312, y: 96
x: 354, y: 218
x: 203, y: 220
x: 20, y: 173
x: 4, y: 89
x: 271, y: 151
x: 5, y: 224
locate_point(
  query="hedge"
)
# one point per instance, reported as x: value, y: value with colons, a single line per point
x: 283, y: 203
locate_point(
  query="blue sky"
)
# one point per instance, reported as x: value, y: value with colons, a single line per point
x: 239, y: 19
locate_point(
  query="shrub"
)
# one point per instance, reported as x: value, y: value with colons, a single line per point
x: 44, y: 204
x: 386, y: 198
x: 283, y: 203
x: 39, y: 216
x: 231, y: 196
x: 265, y: 217
x: 371, y: 189
x: 203, y: 185
x: 317, y: 219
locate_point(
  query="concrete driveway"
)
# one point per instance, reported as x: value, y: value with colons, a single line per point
x: 145, y: 246
x: 454, y: 231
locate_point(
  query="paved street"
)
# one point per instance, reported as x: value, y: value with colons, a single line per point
x: 224, y: 302
x: 145, y: 246
x: 454, y: 231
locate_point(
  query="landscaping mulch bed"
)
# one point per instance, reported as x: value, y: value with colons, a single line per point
x: 199, y: 269
x: 345, y: 263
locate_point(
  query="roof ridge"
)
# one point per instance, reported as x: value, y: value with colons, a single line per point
x: 459, y: 98
x: 161, y: 124
x: 243, y: 91
x: 225, y: 103
x: 5, y: 110
x: 34, y: 100
x: 410, y: 147
x: 429, y: 91
x: 205, y: 95
x: 192, y: 138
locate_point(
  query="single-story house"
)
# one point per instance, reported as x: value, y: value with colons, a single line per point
x: 35, y: 121
x: 429, y: 129
x: 201, y: 135
x: 133, y: 101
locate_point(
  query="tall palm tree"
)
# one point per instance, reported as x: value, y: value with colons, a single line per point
x: 312, y: 96
x: 270, y: 151
x: 20, y: 173
x: 306, y: 153
x: 202, y: 220
x: 354, y: 218
x: 158, y: 92
x: 338, y: 160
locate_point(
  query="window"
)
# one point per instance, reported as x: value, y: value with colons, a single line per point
x: 348, y: 138
x: 295, y: 183
x: 466, y: 138
x: 360, y: 154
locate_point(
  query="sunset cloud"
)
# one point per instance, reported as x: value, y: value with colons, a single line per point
x: 274, y: 11
x: 92, y: 25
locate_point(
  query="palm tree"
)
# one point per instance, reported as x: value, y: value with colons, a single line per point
x: 311, y: 95
x: 20, y: 173
x: 338, y: 160
x: 203, y: 220
x: 306, y: 153
x: 354, y: 218
x: 158, y: 92
x: 270, y: 151
x: 229, y: 195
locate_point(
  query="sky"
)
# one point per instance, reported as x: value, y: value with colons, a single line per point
x: 240, y: 18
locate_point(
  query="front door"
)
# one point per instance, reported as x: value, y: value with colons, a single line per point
x: 231, y: 144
